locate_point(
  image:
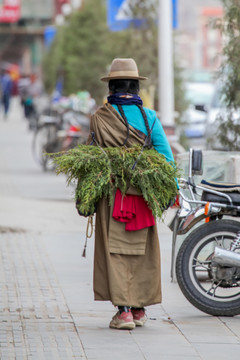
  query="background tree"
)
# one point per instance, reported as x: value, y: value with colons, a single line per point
x: 229, y: 126
x: 82, y: 50
x: 85, y: 47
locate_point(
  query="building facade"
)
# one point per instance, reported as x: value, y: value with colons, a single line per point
x: 198, y: 42
x: 21, y: 41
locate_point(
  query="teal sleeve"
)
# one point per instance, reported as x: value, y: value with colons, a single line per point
x: 160, y: 141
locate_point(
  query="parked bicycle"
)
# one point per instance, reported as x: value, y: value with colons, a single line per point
x: 45, y: 138
x: 58, y: 130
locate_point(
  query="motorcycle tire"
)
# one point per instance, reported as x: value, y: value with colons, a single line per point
x: 200, y: 245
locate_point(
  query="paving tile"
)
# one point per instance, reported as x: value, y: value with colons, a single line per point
x: 232, y: 324
x: 219, y: 352
x: 209, y: 330
x: 34, y: 318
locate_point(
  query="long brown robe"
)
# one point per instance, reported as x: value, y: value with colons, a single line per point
x: 126, y: 264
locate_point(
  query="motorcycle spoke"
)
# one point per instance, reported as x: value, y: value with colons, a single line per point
x: 221, y: 240
x: 202, y: 264
x: 214, y: 288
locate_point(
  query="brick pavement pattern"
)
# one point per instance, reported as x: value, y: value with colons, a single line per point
x: 35, y: 320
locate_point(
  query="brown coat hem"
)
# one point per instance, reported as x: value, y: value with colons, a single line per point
x: 131, y: 305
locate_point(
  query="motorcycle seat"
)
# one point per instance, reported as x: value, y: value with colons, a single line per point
x: 232, y: 190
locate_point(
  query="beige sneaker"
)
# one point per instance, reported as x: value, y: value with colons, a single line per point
x: 139, y: 316
x: 122, y: 321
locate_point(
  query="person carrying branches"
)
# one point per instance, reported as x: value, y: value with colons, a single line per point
x: 127, y: 253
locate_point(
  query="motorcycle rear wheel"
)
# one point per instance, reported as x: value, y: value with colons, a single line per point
x: 193, y: 269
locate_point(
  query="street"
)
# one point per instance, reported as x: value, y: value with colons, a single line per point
x: 47, y: 309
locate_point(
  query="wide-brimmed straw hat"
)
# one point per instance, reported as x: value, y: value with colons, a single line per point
x: 123, y: 69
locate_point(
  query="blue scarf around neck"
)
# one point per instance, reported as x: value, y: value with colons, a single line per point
x: 124, y: 99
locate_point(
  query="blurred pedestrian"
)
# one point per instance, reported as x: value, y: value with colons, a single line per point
x: 29, y: 88
x: 6, y: 91
x: 126, y: 263
x: 24, y: 83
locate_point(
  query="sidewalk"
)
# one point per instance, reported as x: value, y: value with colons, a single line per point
x: 46, y: 306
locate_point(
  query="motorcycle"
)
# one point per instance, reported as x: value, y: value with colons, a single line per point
x: 207, y: 264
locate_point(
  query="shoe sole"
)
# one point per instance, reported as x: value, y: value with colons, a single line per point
x: 124, y: 326
x: 140, y: 322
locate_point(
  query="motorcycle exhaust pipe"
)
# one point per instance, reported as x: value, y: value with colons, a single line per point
x: 226, y: 257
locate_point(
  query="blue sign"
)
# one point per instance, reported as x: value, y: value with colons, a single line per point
x: 119, y: 17
x: 49, y: 35
x: 115, y: 23
x: 175, y: 14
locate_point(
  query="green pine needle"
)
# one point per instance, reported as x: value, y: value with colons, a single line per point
x: 100, y: 171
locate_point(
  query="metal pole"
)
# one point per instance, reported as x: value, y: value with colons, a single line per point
x: 165, y: 63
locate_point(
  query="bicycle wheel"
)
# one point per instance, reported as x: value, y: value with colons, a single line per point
x: 32, y: 121
x: 45, y: 141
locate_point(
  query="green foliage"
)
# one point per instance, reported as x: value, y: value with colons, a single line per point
x: 84, y: 48
x: 53, y: 61
x: 181, y: 103
x: 79, y: 52
x: 100, y: 171
x: 229, y: 132
x: 229, y: 129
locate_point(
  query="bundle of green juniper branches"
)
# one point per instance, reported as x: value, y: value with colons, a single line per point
x: 100, y: 171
